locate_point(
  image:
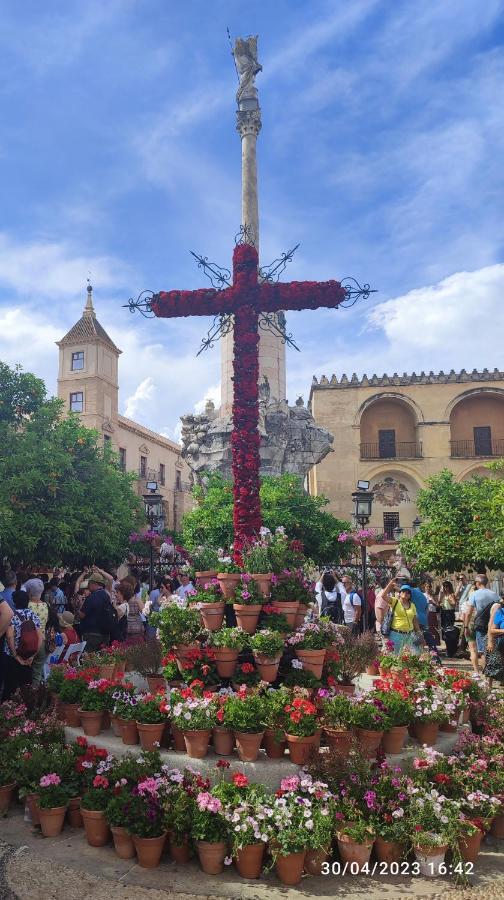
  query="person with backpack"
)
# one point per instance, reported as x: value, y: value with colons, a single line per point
x: 329, y: 599
x: 97, y: 616
x: 35, y: 589
x: 352, y: 605
x: 23, y: 639
x: 478, y: 618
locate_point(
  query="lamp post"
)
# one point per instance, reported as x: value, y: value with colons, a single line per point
x: 153, y: 503
x: 416, y: 524
x: 363, y: 505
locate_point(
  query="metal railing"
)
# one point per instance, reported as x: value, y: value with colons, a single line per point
x: 472, y: 449
x: 399, y: 450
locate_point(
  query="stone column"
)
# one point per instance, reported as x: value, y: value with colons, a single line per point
x: 271, y: 348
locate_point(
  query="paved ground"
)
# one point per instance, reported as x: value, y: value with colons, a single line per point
x: 66, y: 868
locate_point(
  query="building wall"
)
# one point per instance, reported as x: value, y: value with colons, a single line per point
x: 443, y: 410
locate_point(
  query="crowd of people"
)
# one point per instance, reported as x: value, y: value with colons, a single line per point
x: 41, y: 613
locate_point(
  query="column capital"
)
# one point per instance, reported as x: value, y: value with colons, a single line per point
x: 248, y: 121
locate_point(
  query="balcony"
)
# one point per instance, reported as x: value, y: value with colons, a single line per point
x: 398, y: 450
x: 475, y: 449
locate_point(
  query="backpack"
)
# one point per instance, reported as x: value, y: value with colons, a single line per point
x: 386, y: 625
x: 28, y: 639
x: 108, y: 618
x: 482, y: 618
x: 332, y: 609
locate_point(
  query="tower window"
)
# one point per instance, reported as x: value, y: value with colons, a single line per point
x: 178, y: 481
x: 143, y: 467
x: 122, y: 458
x: 77, y: 402
x: 162, y: 473
x: 106, y: 439
x: 77, y: 360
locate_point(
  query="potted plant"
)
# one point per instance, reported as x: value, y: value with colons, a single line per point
x: 250, y: 829
x: 336, y: 717
x: 288, y: 848
x: 274, y: 740
x: 228, y: 576
x: 310, y: 643
x: 387, y: 800
x: 94, y: 802
x: 245, y: 715
x: 199, y: 665
x: 205, y: 561
x: 247, y: 604
x: 347, y: 658
x: 52, y: 804
x: 210, y: 832
x: 171, y: 672
x: 298, y: 676
x: 429, y: 702
x: 146, y: 658
x: 434, y: 826
x: 8, y: 768
x: 115, y: 816
x: 267, y: 647
x: 222, y: 735
x: 257, y: 563
x: 125, y: 711
x: 470, y: 837
x: 275, y: 620
x: 290, y: 593
x: 93, y: 705
x: 179, y: 808
x: 194, y: 716
x: 246, y: 676
x: 210, y: 603
x: 178, y: 629
x: 227, y: 644
x: 71, y: 693
x: 146, y: 821
x: 300, y: 717
x: 151, y: 719
x: 355, y: 842
x: 368, y: 719
x: 398, y: 715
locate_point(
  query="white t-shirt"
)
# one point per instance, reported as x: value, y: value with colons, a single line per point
x: 184, y: 590
x: 331, y: 595
x: 348, y: 608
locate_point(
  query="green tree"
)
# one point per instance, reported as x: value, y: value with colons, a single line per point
x: 63, y: 498
x: 284, y: 502
x: 463, y: 525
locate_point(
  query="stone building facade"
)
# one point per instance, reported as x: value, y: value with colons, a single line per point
x: 88, y: 384
x: 395, y: 431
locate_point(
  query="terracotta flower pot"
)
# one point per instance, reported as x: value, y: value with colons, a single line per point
x: 6, y: 794
x: 263, y: 583
x: 123, y: 842
x: 315, y: 859
x: 228, y: 581
x: 181, y: 853
x: 32, y: 804
x: 51, y: 821
x: 351, y: 852
x: 183, y: 654
x: 196, y: 742
x: 107, y: 670
x: 225, y: 660
x: 71, y: 715
x: 497, y: 829
x: 92, y: 721
x: 178, y: 739
x: 248, y: 745
x: 300, y: 748
x: 301, y: 614
x: 469, y: 846
x: 289, y: 868
x: 201, y: 578
x: 339, y: 740
x: 211, y: 856
x: 149, y: 850
x: 74, y: 814
x: 289, y: 609
x: 274, y: 749
x: 373, y: 669
x: 393, y: 739
x: 426, y: 732
x: 212, y: 615
x: 347, y: 689
x: 313, y: 660
x: 267, y: 666
x: 96, y: 827
x: 247, y: 616
x: 388, y: 851
x: 369, y: 740
x: 129, y: 731
x: 466, y: 714
x: 448, y: 728
x: 150, y: 734
x: 249, y: 859
x: 116, y: 728
x: 223, y: 741
x: 156, y: 683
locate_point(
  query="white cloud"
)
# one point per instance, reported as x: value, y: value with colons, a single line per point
x: 212, y: 393
x: 139, y: 398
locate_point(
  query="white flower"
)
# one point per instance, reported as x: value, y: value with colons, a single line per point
x: 309, y: 824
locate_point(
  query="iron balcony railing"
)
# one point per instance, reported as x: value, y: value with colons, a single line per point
x: 471, y: 449
x: 399, y: 450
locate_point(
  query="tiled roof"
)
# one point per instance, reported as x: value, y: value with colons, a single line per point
x: 88, y: 327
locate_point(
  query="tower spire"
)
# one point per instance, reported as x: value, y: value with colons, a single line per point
x: 89, y: 308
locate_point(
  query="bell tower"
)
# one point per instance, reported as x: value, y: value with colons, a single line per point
x: 88, y: 380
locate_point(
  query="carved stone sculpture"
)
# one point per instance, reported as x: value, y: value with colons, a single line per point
x: 247, y: 66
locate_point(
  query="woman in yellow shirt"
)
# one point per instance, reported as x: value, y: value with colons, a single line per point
x: 405, y: 627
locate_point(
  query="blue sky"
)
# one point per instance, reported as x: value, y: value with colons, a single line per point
x: 381, y: 152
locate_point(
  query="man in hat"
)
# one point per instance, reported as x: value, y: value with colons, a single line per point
x: 93, y: 613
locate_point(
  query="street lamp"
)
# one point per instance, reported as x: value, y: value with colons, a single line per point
x: 363, y: 506
x: 398, y: 533
x: 416, y: 524
x: 153, y: 503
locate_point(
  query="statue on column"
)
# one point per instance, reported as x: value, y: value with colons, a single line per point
x: 247, y: 66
